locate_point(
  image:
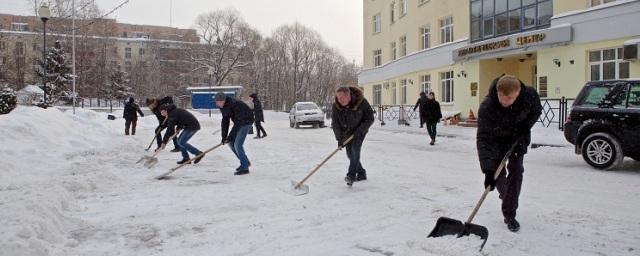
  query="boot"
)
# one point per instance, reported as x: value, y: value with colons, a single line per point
x: 360, y: 176
x: 512, y: 224
x: 241, y: 172
x: 197, y: 160
x: 349, y: 180
x: 175, y: 150
x: 433, y: 142
x: 184, y: 160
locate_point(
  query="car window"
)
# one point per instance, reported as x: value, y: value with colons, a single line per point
x: 610, y: 94
x: 595, y: 95
x: 634, y: 96
x: 307, y: 107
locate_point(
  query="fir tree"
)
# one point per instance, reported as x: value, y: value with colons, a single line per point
x: 118, y: 87
x: 58, y: 74
x: 8, y: 100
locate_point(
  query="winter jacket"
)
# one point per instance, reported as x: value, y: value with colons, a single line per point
x: 500, y: 127
x: 156, y: 110
x: 237, y: 111
x: 180, y: 118
x: 421, y: 103
x: 354, y: 119
x: 257, y: 109
x: 431, y: 113
x: 130, y: 109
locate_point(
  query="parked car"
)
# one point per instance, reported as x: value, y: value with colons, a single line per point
x: 306, y: 113
x: 604, y: 123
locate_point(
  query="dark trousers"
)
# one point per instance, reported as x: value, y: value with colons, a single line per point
x: 159, y: 138
x: 421, y: 120
x: 130, y: 123
x: 353, y: 153
x: 431, y: 129
x: 260, y: 128
x: 509, y: 183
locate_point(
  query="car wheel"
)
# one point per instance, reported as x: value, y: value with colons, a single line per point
x: 602, y: 151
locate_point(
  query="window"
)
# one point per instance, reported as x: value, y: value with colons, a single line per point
x: 446, y: 80
x: 19, y: 26
x: 377, y: 23
x: 607, y: 64
x: 634, y: 96
x: 377, y: 57
x: 394, y: 56
x: 425, y: 37
x: 599, y: 2
x: 34, y: 47
x: 542, y: 87
x: 3, y: 61
x: 127, y: 66
x: 403, y: 85
x: 393, y: 12
x: 19, y: 48
x: 403, y: 46
x: 127, y: 53
x: 3, y: 45
x: 141, y: 51
x: 425, y: 83
x: 403, y: 7
x: 377, y: 94
x: 492, y: 18
x: 393, y: 93
x: 446, y: 30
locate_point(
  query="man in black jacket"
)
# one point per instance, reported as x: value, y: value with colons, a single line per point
x: 154, y: 106
x: 352, y: 115
x: 130, y: 116
x: 505, y: 117
x: 242, y: 117
x: 189, y: 125
x: 259, y: 116
x: 432, y: 116
x: 422, y: 101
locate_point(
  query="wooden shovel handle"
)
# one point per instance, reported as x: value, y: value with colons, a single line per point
x: 198, y: 156
x: 323, y: 162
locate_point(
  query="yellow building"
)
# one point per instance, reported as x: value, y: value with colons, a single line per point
x: 455, y: 48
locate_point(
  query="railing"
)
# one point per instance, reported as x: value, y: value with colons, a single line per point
x: 555, y: 111
x: 402, y: 113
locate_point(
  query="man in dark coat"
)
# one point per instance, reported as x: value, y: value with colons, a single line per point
x: 352, y: 115
x: 422, y: 100
x: 154, y: 106
x: 188, y: 124
x: 242, y: 117
x: 259, y: 116
x: 130, y: 115
x: 432, y: 115
x: 505, y: 117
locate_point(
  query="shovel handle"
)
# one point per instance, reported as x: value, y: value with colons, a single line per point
x: 323, y: 162
x: 198, y: 156
x: 495, y: 176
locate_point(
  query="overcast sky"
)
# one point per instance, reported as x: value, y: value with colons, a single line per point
x: 338, y: 21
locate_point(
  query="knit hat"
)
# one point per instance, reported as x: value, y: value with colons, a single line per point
x: 253, y: 95
x: 220, y: 96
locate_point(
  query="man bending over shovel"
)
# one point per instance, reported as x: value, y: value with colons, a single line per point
x: 352, y: 115
x: 190, y: 125
x: 505, y: 117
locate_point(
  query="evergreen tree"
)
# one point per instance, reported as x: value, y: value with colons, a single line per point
x: 58, y: 74
x: 118, y: 87
x: 8, y: 100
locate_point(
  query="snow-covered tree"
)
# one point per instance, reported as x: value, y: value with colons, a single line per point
x: 58, y: 74
x: 118, y: 87
x: 8, y: 100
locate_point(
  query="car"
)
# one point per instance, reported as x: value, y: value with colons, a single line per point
x: 604, y: 123
x: 306, y: 113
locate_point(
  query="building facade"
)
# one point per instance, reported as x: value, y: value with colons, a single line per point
x: 455, y: 48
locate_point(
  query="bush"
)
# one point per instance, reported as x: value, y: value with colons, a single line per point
x: 8, y: 100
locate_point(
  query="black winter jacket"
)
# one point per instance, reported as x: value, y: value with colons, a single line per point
x: 500, y: 127
x: 422, y: 101
x: 432, y: 112
x: 237, y: 111
x: 257, y: 109
x: 130, y: 109
x: 156, y: 111
x: 354, y: 119
x: 181, y: 118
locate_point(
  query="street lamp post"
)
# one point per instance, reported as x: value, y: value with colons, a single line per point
x: 45, y: 14
x: 210, y: 72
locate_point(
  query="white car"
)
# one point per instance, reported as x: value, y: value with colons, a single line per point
x: 306, y: 113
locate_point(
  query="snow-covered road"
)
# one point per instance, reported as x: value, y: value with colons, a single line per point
x: 69, y: 185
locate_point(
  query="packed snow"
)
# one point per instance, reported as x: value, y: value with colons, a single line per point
x: 69, y: 185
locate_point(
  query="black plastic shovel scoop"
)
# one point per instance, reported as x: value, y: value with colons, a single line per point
x: 448, y: 226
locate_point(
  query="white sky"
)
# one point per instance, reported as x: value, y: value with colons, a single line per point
x: 338, y: 21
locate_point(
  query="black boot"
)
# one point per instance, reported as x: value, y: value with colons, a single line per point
x: 197, y: 160
x: 512, y: 224
x: 362, y: 175
x: 175, y: 150
x: 184, y: 160
x: 349, y: 180
x: 241, y: 172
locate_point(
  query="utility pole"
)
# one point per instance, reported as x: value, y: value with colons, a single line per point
x: 73, y: 52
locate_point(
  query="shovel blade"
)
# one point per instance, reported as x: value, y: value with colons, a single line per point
x: 151, y: 162
x: 447, y: 226
x: 300, y: 190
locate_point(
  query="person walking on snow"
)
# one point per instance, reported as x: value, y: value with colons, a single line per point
x: 505, y: 117
x: 130, y: 115
x: 242, y: 117
x: 352, y: 115
x: 189, y: 125
x: 432, y: 116
x: 154, y: 106
x: 259, y: 116
x: 422, y: 100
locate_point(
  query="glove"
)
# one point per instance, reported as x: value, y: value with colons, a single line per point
x: 340, y: 145
x: 142, y: 115
x: 489, y: 181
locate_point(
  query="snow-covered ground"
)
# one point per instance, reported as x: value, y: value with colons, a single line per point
x: 69, y: 185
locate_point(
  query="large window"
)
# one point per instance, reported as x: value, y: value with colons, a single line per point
x: 425, y: 83
x: 425, y: 37
x: 403, y: 46
x: 127, y: 53
x: 377, y: 57
x: 446, y: 30
x: 403, y: 7
x: 607, y: 64
x: 377, y: 94
x: 377, y: 23
x: 394, y: 92
x: 392, y: 13
x: 492, y: 18
x: 403, y: 85
x: 392, y: 47
x: 19, y: 48
x: 446, y: 80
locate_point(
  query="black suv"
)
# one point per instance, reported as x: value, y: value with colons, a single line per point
x: 604, y: 124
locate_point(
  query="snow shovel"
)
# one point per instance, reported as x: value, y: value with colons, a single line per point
x: 298, y: 188
x: 164, y: 175
x: 448, y: 226
x: 150, y: 161
x: 154, y: 137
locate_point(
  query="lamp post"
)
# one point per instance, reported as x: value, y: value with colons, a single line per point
x: 210, y: 72
x: 45, y: 14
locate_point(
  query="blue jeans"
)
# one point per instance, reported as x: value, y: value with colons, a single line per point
x: 237, y: 146
x: 159, y: 139
x: 353, y: 153
x: 186, y: 147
